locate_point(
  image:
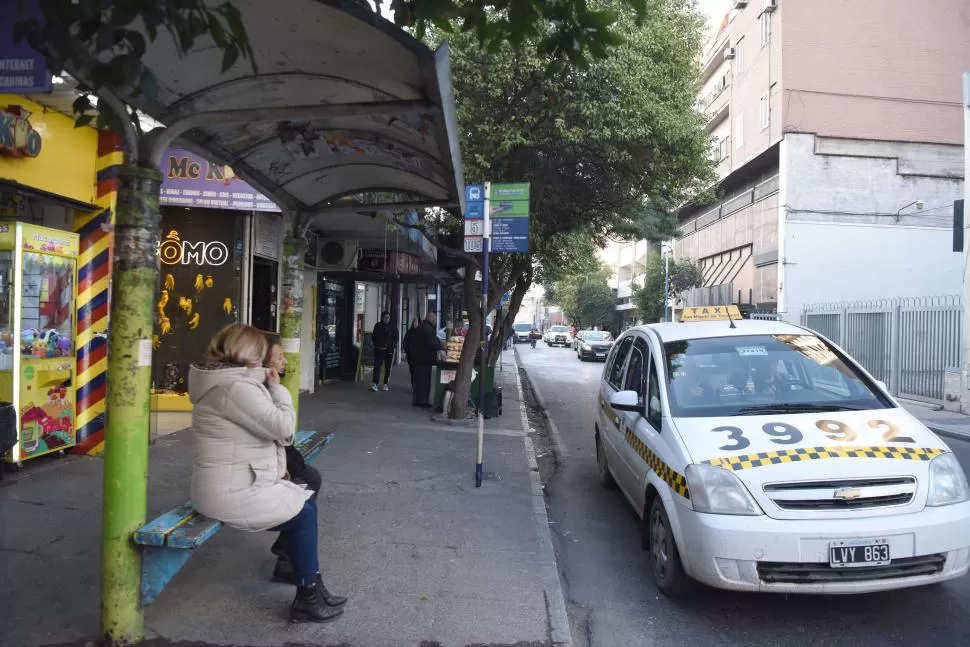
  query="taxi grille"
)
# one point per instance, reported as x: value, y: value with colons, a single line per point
x: 801, y: 573
x: 844, y: 494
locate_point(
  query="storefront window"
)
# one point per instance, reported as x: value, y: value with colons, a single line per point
x: 331, y: 324
x: 47, y: 317
x: 201, y: 264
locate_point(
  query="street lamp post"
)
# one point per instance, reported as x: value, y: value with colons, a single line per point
x: 917, y: 203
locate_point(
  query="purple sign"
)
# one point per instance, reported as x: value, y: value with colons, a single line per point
x: 22, y: 68
x: 190, y: 181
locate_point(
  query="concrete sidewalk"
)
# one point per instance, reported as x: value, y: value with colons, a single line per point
x: 946, y: 423
x: 425, y: 557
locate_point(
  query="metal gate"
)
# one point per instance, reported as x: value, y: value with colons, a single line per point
x: 906, y: 343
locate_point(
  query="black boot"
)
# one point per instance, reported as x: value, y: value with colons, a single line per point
x: 283, y: 571
x: 279, y: 547
x: 308, y: 606
x: 330, y: 599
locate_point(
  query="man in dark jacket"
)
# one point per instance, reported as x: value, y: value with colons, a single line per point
x: 385, y: 341
x: 423, y: 351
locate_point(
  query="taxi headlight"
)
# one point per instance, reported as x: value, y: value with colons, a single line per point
x: 718, y: 491
x: 948, y: 484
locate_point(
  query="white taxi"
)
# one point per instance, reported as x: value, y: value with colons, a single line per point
x: 762, y: 458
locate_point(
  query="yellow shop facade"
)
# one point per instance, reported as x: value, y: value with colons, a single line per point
x: 57, y: 189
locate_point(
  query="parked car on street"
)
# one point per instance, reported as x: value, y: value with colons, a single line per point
x: 595, y: 344
x: 521, y: 332
x: 578, y: 338
x: 558, y: 336
x: 761, y: 457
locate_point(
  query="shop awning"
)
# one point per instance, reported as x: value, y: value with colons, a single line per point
x: 343, y: 102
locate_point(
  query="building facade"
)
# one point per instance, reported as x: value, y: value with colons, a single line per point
x: 837, y: 131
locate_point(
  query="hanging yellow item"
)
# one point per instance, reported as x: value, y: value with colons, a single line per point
x: 169, y: 282
x: 198, y: 283
x: 227, y: 305
x: 163, y: 301
x: 156, y: 342
x: 186, y: 305
x: 194, y: 321
x: 209, y: 282
x: 165, y: 325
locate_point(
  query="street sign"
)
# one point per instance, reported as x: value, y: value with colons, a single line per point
x: 474, y: 217
x: 509, y: 212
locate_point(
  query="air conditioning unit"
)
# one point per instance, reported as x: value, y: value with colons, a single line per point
x: 740, y: 4
x: 770, y: 5
x: 728, y: 53
x: 337, y: 255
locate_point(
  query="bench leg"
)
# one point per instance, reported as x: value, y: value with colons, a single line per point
x: 159, y: 565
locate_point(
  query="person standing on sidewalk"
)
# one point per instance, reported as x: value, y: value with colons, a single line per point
x: 407, y: 345
x: 424, y: 351
x: 242, y: 419
x: 385, y: 341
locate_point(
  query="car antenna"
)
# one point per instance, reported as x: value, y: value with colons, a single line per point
x: 728, y: 309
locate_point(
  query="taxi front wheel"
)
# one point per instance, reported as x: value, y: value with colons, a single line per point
x: 668, y: 572
x: 606, y: 479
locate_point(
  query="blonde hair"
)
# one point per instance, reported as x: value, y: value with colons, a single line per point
x: 238, y: 344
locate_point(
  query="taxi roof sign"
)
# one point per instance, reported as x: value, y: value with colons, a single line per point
x: 711, y: 313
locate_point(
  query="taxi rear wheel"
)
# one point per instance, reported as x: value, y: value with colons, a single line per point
x: 603, y: 466
x: 668, y: 572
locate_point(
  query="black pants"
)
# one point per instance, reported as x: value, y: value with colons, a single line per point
x: 382, y: 358
x: 420, y: 383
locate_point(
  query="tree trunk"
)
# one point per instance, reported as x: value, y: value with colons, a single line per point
x: 134, y: 281
x: 522, y: 285
x: 466, y: 363
x: 291, y: 317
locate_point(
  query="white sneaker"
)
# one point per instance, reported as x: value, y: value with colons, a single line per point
x: 373, y: 388
x: 386, y: 388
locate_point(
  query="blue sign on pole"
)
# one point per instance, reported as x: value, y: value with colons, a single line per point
x: 474, y: 217
x: 510, y: 235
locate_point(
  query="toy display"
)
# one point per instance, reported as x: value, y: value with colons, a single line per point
x: 38, y: 285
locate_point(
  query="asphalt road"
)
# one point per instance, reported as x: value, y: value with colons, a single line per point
x: 610, y: 594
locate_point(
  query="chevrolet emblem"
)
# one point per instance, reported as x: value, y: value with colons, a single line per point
x: 847, y: 494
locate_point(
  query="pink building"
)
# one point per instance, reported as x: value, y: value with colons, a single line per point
x: 837, y: 127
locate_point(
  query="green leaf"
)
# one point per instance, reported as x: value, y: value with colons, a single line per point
x: 229, y: 57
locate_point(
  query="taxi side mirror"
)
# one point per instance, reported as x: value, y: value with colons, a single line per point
x: 626, y: 401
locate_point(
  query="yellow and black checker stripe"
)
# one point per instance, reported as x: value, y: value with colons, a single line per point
x: 677, y: 482
x: 748, y: 461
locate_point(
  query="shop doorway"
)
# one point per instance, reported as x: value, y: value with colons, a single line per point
x: 264, y: 294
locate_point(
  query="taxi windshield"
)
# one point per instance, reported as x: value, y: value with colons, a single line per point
x: 762, y: 374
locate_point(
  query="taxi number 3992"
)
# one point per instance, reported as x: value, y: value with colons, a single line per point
x: 856, y: 553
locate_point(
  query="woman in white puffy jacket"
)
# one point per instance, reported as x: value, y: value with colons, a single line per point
x: 241, y: 421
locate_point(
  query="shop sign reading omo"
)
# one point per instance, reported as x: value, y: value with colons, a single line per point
x: 17, y: 136
x: 175, y: 251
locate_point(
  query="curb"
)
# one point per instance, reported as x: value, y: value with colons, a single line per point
x: 949, y: 432
x: 557, y: 617
x: 554, y: 430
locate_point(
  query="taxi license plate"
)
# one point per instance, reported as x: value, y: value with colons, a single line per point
x: 856, y: 553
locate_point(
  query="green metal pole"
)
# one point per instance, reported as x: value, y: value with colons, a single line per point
x: 291, y: 315
x: 135, y: 274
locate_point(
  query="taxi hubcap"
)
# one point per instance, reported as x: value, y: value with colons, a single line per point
x: 658, y: 543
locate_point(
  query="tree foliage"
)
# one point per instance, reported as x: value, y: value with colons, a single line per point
x: 561, y: 30
x: 586, y: 298
x: 649, y: 297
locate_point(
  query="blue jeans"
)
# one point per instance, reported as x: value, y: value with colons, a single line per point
x: 300, y: 535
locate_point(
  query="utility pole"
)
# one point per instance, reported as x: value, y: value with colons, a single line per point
x: 486, y: 234
x: 965, y: 394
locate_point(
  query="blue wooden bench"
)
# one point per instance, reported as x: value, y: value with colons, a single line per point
x: 168, y: 541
